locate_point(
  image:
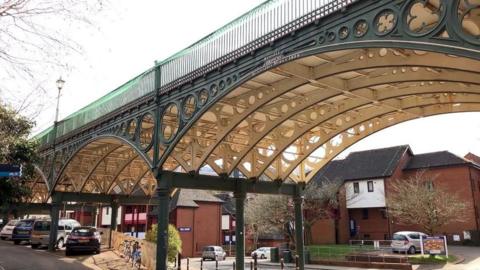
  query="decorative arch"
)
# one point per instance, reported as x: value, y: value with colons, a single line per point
x: 107, y: 164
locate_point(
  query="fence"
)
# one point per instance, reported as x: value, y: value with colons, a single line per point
x: 149, y: 250
x: 358, y: 251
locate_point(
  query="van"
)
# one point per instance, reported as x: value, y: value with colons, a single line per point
x: 41, y: 232
x: 214, y: 253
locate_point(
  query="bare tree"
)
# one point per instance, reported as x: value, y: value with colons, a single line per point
x: 267, y: 214
x: 321, y: 201
x: 417, y: 201
x: 35, y: 37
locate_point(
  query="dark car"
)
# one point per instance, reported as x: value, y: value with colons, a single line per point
x: 83, y: 239
x: 22, y: 231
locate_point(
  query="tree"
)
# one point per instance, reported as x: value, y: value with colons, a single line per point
x: 174, y: 240
x: 15, y: 148
x: 321, y: 201
x: 267, y: 214
x: 36, y: 37
x: 416, y: 201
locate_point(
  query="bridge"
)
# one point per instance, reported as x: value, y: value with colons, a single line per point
x: 264, y: 102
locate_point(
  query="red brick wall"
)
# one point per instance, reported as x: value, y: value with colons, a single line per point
x: 457, y: 180
x: 207, y: 225
x: 376, y: 226
x: 323, y: 232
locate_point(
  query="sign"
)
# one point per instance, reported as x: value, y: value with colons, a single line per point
x: 467, y: 235
x: 10, y: 170
x: 434, y: 245
x: 184, y: 229
x: 456, y: 237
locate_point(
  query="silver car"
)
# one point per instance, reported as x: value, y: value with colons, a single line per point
x: 407, y: 242
x: 215, y: 253
x: 41, y: 232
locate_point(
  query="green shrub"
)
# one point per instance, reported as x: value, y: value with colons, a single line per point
x: 174, y: 241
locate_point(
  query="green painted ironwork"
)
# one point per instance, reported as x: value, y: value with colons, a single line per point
x: 267, y: 22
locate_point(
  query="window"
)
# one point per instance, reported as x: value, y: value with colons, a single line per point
x: 107, y: 211
x: 429, y: 185
x: 365, y: 213
x: 370, y: 186
x: 356, y: 188
x: 414, y: 236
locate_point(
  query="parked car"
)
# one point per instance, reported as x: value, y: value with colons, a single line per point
x: 215, y: 253
x: 407, y: 241
x: 22, y: 231
x: 7, y: 230
x: 41, y: 232
x: 83, y: 239
x: 262, y: 253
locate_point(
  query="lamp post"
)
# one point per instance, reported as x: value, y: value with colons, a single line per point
x: 60, y: 83
x: 55, y: 209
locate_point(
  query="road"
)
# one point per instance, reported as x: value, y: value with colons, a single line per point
x: 22, y: 257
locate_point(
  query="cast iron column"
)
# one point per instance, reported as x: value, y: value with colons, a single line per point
x: 54, y: 215
x: 163, y: 193
x: 298, y: 201
x: 113, y: 221
x: 239, y: 230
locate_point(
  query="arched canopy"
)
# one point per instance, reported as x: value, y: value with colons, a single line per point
x: 107, y: 165
x: 289, y: 121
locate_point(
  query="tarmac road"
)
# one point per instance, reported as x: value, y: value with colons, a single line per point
x: 22, y: 257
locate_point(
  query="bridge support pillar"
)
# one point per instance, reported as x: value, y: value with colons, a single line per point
x: 54, y: 215
x: 240, y: 196
x: 163, y: 193
x: 113, y: 221
x: 298, y: 202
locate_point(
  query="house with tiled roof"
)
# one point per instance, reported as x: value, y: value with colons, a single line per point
x: 366, y: 178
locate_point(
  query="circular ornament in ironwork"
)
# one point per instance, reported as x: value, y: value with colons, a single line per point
x: 170, y: 122
x: 343, y: 32
x: 229, y: 81
x: 146, y: 130
x: 469, y: 19
x: 213, y: 90
x: 423, y: 16
x: 331, y: 36
x: 360, y: 28
x: 221, y: 85
x: 203, y: 97
x: 385, y: 22
x: 189, y: 106
x: 321, y: 39
x: 131, y: 129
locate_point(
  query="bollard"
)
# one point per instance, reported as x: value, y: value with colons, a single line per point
x: 251, y: 265
x: 296, y: 262
x: 281, y: 264
x: 179, y: 261
x: 255, y: 262
x: 233, y: 265
x: 188, y: 263
x: 201, y: 264
x: 216, y: 263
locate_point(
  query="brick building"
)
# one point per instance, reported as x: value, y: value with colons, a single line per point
x: 366, y: 178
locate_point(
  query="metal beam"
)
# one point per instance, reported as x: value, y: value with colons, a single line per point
x: 209, y: 182
x: 105, y: 198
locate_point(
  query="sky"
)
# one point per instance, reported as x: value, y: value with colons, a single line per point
x: 130, y: 35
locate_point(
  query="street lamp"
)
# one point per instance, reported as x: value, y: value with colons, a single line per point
x: 60, y: 83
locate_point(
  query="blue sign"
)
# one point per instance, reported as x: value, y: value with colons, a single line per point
x: 9, y: 170
x: 184, y: 229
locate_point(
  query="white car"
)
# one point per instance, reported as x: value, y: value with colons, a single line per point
x: 6, y: 232
x: 215, y: 253
x: 262, y: 253
x: 407, y: 241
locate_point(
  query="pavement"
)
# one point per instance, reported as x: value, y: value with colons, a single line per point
x: 22, y: 257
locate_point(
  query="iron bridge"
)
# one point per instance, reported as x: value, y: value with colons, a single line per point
x: 264, y: 103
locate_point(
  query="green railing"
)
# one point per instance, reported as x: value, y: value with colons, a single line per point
x: 265, y: 23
